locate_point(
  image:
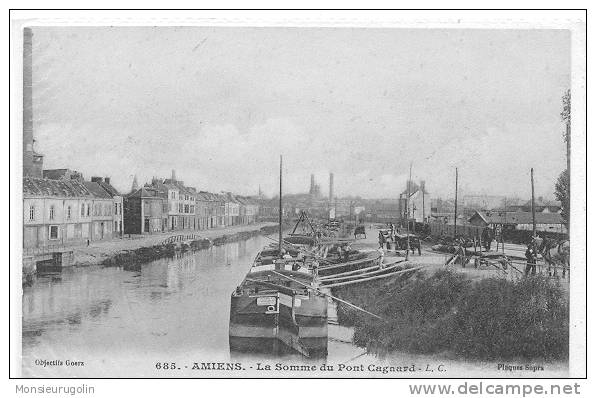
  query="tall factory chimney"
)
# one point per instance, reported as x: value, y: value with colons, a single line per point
x: 32, y: 162
x: 173, y: 175
x: 330, y: 187
x: 312, y: 184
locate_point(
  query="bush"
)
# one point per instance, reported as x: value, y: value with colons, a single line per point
x: 489, y: 319
x: 502, y: 319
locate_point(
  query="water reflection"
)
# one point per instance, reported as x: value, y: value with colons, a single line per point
x: 177, y: 305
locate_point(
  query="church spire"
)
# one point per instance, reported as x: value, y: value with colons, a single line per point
x: 135, y: 184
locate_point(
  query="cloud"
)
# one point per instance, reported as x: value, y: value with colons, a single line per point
x: 362, y: 103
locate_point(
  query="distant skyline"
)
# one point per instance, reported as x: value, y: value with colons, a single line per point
x: 219, y: 105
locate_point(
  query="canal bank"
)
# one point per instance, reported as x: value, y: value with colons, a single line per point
x: 459, y: 313
x: 154, y: 246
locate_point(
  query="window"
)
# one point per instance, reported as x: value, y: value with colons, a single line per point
x: 115, y: 208
x: 88, y: 210
x: 31, y: 213
x: 82, y: 209
x: 53, y: 232
x: 115, y: 225
x: 52, y: 212
x: 68, y: 212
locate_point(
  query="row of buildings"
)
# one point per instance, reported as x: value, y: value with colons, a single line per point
x: 170, y: 205
x: 61, y: 208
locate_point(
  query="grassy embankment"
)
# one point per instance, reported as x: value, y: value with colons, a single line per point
x: 446, y: 313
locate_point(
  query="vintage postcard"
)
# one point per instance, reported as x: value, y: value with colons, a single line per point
x: 210, y: 197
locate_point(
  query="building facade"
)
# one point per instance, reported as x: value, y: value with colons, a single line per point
x: 418, y: 207
x: 145, y: 212
x: 102, y: 212
x: 59, y: 212
x: 546, y: 222
x: 117, y: 202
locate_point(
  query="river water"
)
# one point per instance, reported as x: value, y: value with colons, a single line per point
x: 121, y: 323
x: 109, y: 322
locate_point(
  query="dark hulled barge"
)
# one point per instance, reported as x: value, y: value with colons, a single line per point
x: 277, y: 308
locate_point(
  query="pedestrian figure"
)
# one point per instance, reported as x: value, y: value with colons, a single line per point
x: 347, y: 250
x: 88, y: 242
x: 531, y: 259
x: 381, y: 240
x: 487, y: 238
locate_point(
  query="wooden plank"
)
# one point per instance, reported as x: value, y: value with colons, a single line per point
x: 366, y: 274
x: 375, y: 277
x: 322, y: 278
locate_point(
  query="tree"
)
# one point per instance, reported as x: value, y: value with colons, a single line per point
x: 566, y: 116
x: 562, y: 187
x: 562, y: 195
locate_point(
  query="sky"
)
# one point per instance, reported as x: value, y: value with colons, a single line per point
x: 220, y: 104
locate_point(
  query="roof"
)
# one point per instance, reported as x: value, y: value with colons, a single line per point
x: 145, y: 192
x: 54, y: 188
x: 246, y: 200
x: 109, y: 189
x: 97, y: 190
x: 202, y: 195
x: 166, y: 184
x: 518, y: 217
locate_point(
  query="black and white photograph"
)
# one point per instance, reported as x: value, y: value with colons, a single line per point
x: 220, y: 198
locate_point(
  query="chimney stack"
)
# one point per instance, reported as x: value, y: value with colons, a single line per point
x: 32, y: 162
x: 331, y: 187
x: 173, y: 175
x: 107, y: 180
x: 96, y: 179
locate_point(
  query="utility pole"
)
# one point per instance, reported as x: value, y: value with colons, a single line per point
x: 280, y: 203
x: 408, y: 214
x: 503, y: 232
x: 533, y: 205
x: 422, y: 188
x: 455, y: 220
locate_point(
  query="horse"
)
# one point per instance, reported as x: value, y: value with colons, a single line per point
x: 359, y: 230
x: 555, y: 254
